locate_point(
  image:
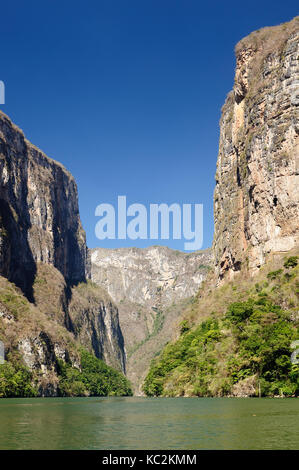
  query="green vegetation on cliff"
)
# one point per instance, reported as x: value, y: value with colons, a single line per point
x: 16, y: 379
x: 36, y: 336
x: 243, y: 351
x: 94, y: 378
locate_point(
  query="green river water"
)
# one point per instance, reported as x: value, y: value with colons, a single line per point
x: 149, y: 423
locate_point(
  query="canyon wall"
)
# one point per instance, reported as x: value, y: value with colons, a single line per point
x: 43, y: 253
x: 39, y: 215
x: 256, y: 199
x: 151, y: 288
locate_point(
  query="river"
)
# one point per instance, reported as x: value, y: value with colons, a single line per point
x: 149, y: 423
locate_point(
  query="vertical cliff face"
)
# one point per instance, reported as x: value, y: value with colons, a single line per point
x: 256, y: 197
x: 39, y: 216
x: 43, y: 252
x: 96, y: 324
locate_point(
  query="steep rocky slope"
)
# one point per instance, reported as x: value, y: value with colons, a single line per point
x: 56, y: 327
x: 236, y: 339
x: 256, y: 201
x: 151, y: 287
x: 43, y: 253
x: 85, y: 310
x: 34, y: 339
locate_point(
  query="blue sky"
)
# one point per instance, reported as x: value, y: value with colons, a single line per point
x: 127, y: 94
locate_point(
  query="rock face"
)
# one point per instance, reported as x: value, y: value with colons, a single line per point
x: 96, y: 324
x: 256, y: 200
x: 151, y: 276
x: 43, y: 252
x: 151, y: 287
x: 59, y: 323
x: 85, y: 310
x: 39, y: 215
x: 33, y: 334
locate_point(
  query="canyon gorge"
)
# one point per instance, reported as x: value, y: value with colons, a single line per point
x: 124, y: 305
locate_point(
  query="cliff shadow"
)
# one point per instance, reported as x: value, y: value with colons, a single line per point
x: 16, y: 260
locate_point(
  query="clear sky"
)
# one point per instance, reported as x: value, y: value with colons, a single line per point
x: 128, y: 94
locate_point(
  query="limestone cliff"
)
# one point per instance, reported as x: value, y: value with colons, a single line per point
x: 43, y: 252
x: 39, y: 215
x: 256, y: 200
x: 151, y: 287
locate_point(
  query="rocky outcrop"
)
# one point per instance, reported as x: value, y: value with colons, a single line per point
x: 248, y: 387
x: 96, y: 324
x: 85, y: 310
x: 151, y: 287
x: 40, y: 354
x: 256, y: 200
x: 32, y: 335
x: 58, y: 325
x: 39, y: 215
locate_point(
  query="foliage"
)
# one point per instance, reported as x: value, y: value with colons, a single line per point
x: 250, y: 341
x: 184, y: 326
x: 13, y: 301
x: 274, y: 274
x: 291, y: 262
x: 95, y: 378
x: 16, y: 381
